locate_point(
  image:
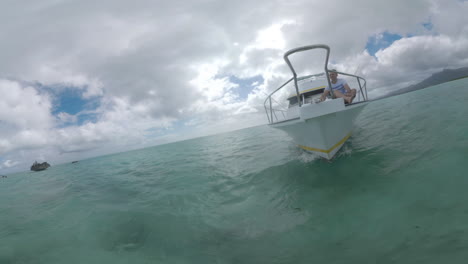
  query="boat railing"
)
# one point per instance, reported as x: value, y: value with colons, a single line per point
x: 271, y: 105
x: 272, y: 112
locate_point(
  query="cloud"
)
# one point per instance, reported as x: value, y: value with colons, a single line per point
x: 24, y: 116
x: 9, y: 164
x: 409, y: 60
x: 23, y: 107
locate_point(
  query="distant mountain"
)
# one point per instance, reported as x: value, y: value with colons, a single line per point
x: 437, y: 78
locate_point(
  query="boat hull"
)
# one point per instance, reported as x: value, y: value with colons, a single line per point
x: 323, y: 134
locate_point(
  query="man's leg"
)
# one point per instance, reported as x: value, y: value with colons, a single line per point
x: 346, y: 98
x: 351, y: 95
x: 338, y: 94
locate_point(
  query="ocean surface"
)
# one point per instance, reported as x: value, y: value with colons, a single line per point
x: 396, y: 193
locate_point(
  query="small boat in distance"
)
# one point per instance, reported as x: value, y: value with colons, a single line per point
x: 39, y: 166
x: 321, y: 127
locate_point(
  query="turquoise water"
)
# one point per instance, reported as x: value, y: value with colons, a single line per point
x: 396, y: 193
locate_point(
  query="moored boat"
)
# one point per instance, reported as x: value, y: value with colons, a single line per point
x: 39, y: 166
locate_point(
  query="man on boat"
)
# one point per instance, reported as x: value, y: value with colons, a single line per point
x: 340, y: 88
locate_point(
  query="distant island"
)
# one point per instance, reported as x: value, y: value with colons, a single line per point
x: 437, y: 78
x: 39, y: 166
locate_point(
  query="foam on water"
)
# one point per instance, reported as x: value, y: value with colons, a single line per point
x: 395, y: 193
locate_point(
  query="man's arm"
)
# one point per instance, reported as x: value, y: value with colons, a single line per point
x: 324, y: 94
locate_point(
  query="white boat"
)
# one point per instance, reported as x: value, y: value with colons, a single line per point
x: 318, y: 127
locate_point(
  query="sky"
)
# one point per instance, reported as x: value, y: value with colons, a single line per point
x: 82, y: 78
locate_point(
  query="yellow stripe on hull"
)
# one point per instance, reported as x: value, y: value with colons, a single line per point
x: 328, y: 150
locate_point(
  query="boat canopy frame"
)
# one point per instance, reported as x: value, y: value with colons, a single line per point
x: 271, y: 112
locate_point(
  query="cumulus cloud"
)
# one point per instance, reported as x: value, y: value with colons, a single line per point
x: 409, y: 60
x: 9, y: 164
x: 155, y: 66
x: 24, y: 116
